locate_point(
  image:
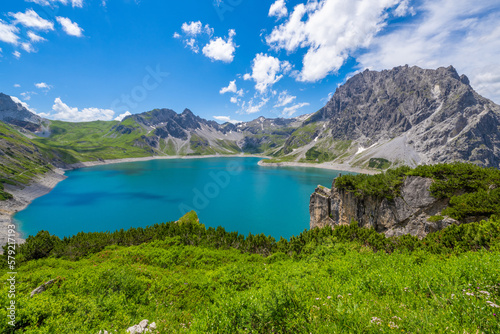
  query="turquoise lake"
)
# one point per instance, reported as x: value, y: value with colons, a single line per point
x: 235, y: 193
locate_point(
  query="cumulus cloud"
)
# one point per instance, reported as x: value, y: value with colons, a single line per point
x: 289, y: 111
x: 446, y: 32
x: 226, y: 119
x: 234, y: 99
x: 8, y: 33
x: 283, y: 99
x: 122, y: 116
x: 17, y: 85
x: 192, y: 28
x: 177, y: 35
x: 69, y: 27
x: 65, y: 113
x: 43, y: 85
x: 330, y: 30
x: 231, y: 88
x: 266, y: 71
x: 31, y: 19
x: 221, y: 49
x: 17, y: 54
x: 278, y: 9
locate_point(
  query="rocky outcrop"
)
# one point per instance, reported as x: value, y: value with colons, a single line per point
x: 407, y: 214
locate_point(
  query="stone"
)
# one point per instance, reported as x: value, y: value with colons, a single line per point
x: 42, y: 288
x: 407, y: 214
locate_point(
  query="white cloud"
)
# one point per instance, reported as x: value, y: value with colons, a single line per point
x: 27, y: 95
x: 251, y: 107
x: 226, y: 119
x: 34, y: 37
x: 229, y: 89
x: 77, y: 3
x: 17, y: 85
x: 234, y: 99
x: 27, y: 47
x: 177, y: 35
x: 278, y: 9
x: 220, y: 49
x: 192, y: 28
x: 43, y: 85
x: 284, y: 99
x: 74, y: 3
x: 404, y: 9
x: 8, y: 33
x: 122, y: 116
x: 447, y: 32
x: 31, y: 19
x: 289, y: 111
x: 330, y: 30
x: 65, y: 113
x: 191, y: 43
x: 17, y: 54
x: 266, y: 71
x: 71, y: 28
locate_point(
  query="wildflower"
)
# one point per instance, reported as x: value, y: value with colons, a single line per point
x: 395, y: 317
x: 318, y: 298
x: 469, y: 294
x: 349, y: 294
x: 376, y: 320
x: 392, y: 325
x: 492, y: 304
x: 485, y: 292
x: 340, y: 296
x: 329, y: 297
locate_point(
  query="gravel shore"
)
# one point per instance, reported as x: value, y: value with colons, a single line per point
x: 325, y: 165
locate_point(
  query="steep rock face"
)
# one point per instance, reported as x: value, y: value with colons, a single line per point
x: 13, y: 112
x: 411, y: 116
x: 407, y: 214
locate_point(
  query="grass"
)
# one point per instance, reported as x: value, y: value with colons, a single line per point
x: 334, y: 285
x: 90, y: 141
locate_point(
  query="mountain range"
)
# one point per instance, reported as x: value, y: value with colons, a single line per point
x: 406, y: 115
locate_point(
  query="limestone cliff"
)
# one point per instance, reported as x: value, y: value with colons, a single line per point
x: 407, y: 214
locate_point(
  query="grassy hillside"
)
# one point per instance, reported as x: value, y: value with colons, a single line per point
x: 192, y: 280
x: 20, y: 159
x: 90, y: 141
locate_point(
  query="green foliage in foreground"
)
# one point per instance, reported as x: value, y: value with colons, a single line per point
x: 320, y: 282
x: 473, y: 191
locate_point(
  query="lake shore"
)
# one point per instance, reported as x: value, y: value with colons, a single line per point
x: 325, y: 165
x: 44, y: 184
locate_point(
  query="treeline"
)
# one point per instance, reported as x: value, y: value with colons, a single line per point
x: 473, y: 191
x: 454, y: 239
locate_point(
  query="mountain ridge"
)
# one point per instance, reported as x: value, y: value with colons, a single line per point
x: 377, y: 119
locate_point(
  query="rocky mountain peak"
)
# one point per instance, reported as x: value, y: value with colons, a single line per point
x: 13, y: 111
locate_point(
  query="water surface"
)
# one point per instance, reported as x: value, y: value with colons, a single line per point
x: 235, y: 193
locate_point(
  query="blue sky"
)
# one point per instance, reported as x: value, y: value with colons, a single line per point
x: 81, y: 60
